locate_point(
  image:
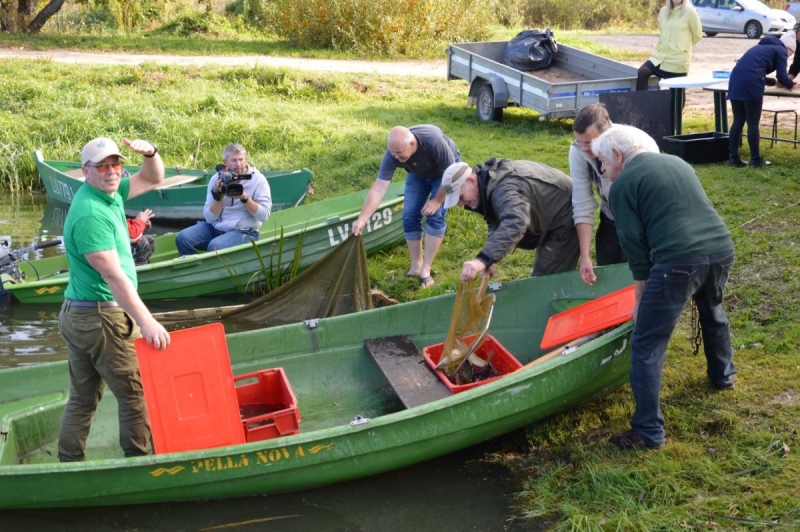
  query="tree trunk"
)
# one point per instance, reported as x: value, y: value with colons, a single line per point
x: 53, y: 7
x: 26, y: 8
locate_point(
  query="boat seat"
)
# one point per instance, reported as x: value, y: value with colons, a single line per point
x: 77, y: 173
x: 174, y: 181
x: 402, y: 363
x: 169, y: 182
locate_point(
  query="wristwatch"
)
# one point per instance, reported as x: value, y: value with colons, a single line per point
x: 155, y: 150
x: 244, y: 199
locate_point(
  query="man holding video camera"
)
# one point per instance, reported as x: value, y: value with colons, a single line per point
x: 237, y: 203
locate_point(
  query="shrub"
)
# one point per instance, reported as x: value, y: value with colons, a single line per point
x: 95, y: 20
x: 382, y: 27
x: 590, y: 14
x: 190, y: 23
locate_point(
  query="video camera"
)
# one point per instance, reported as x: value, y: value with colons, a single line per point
x: 231, y: 185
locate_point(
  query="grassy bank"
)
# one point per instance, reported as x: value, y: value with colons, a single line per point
x: 731, y: 462
x: 145, y: 43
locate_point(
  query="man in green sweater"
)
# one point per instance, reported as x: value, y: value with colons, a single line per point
x: 678, y: 248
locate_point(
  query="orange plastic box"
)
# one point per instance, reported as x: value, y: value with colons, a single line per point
x: 189, y: 391
x: 267, y: 404
x: 595, y: 315
x: 498, y: 356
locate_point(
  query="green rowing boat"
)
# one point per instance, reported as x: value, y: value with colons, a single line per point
x: 313, y: 228
x: 353, y: 421
x: 180, y: 197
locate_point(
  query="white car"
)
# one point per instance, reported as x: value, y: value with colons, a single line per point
x: 793, y: 8
x: 750, y: 17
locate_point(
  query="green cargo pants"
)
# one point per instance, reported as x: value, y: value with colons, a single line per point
x: 101, y: 352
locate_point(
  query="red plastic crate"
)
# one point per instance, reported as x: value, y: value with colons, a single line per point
x: 267, y: 405
x: 189, y: 391
x: 498, y: 356
x: 595, y: 315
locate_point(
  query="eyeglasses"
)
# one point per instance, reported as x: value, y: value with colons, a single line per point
x: 103, y: 168
x: 581, y: 144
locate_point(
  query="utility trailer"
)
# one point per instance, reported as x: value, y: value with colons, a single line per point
x: 573, y: 80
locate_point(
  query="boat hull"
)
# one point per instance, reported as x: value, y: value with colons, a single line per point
x: 315, y: 228
x: 176, y: 203
x: 335, y: 381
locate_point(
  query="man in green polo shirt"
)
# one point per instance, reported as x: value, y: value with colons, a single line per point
x: 102, y: 313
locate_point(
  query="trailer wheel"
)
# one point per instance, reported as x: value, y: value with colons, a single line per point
x: 485, y: 105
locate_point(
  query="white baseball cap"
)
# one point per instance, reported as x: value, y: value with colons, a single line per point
x: 452, y: 179
x: 789, y: 40
x: 98, y: 149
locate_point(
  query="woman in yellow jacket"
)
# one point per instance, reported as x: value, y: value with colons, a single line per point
x: 680, y: 31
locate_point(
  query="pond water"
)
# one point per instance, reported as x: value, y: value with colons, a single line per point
x: 451, y: 493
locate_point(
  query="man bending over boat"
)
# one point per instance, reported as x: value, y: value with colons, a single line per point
x: 526, y: 205
x: 424, y: 152
x: 678, y: 248
x: 237, y: 203
x: 102, y: 313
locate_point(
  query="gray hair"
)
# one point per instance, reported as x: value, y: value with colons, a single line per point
x: 232, y: 148
x: 630, y: 141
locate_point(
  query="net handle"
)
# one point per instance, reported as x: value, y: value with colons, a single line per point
x: 484, y: 284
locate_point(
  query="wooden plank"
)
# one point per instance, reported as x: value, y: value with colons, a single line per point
x: 177, y: 180
x: 76, y: 174
x: 402, y: 363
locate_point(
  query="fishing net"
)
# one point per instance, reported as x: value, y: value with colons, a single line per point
x: 336, y: 284
x: 472, y: 312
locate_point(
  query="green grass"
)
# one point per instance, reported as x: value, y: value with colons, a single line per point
x: 265, y: 44
x: 731, y: 462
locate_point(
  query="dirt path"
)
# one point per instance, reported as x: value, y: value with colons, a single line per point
x: 412, y: 68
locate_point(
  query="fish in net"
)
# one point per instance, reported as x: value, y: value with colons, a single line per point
x: 472, y: 312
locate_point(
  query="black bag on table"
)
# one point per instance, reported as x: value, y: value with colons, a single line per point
x: 531, y: 50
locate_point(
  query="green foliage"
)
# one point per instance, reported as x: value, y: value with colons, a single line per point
x: 256, y: 12
x: 382, y: 27
x: 591, y: 14
x: 111, y: 15
x: 274, y: 275
x: 96, y: 20
x: 190, y: 23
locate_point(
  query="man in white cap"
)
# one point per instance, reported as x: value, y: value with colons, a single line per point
x: 526, y: 205
x: 746, y: 92
x: 102, y: 313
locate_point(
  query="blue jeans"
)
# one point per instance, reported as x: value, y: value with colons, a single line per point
x: 204, y: 237
x: 668, y: 289
x: 417, y: 192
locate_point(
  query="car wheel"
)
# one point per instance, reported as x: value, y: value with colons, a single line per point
x: 485, y: 105
x: 752, y: 29
x: 710, y: 33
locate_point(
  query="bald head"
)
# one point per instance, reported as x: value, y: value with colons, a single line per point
x: 402, y: 143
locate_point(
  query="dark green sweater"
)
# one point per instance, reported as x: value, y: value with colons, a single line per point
x: 663, y: 213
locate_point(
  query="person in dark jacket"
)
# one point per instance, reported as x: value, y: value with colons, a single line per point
x: 678, y: 248
x: 746, y: 91
x: 526, y: 205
